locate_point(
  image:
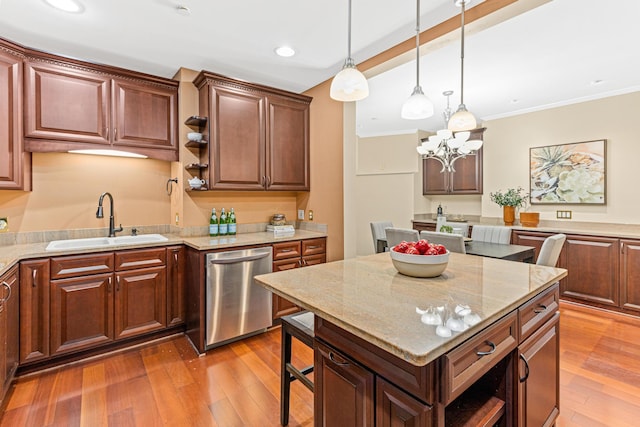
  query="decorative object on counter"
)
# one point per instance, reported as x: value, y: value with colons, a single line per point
x: 213, y: 223
x: 196, y: 183
x: 447, y: 320
x: 419, y: 259
x: 418, y: 105
x: 223, y: 225
x: 462, y: 120
x: 281, y: 230
x: 569, y: 173
x: 529, y: 219
x: 510, y: 200
x: 278, y: 219
x: 446, y: 146
x: 349, y: 84
x: 194, y: 136
x: 232, y: 223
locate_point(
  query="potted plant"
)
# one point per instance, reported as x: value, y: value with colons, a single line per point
x: 509, y: 200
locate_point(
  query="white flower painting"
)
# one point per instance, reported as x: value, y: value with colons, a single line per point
x: 569, y: 173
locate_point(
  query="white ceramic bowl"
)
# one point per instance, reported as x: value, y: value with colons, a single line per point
x: 419, y: 265
x: 194, y: 136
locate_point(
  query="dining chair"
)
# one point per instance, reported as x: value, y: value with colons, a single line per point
x: 491, y: 234
x: 453, y: 242
x: 377, y: 231
x: 550, y: 250
x: 397, y: 235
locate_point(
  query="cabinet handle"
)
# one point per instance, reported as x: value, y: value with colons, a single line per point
x: 541, y: 309
x: 118, y: 284
x: 304, y: 262
x: 5, y: 299
x: 486, y: 353
x: 300, y: 263
x: 34, y: 277
x: 175, y: 259
x: 115, y: 134
x: 109, y: 285
x: 338, y: 361
x: 526, y: 369
x: 313, y: 247
x: 284, y: 251
x: 268, y: 182
x: 107, y: 132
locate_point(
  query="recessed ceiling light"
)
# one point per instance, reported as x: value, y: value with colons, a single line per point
x: 71, y: 6
x: 285, y: 51
x: 514, y: 101
x: 596, y: 82
x: 183, y: 10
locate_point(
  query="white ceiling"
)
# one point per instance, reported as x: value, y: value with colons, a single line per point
x: 547, y: 56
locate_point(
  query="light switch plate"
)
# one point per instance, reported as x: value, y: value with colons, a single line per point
x: 310, y: 215
x: 563, y: 214
x: 301, y: 214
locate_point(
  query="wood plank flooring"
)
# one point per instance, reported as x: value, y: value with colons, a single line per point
x: 166, y: 384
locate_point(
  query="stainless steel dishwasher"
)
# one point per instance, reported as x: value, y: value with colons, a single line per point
x: 236, y: 306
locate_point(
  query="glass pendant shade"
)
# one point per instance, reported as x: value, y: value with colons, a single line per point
x: 417, y: 106
x: 462, y: 120
x: 349, y: 84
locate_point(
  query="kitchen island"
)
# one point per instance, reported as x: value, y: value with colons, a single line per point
x: 376, y: 362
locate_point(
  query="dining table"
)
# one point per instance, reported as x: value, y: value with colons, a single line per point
x: 504, y: 251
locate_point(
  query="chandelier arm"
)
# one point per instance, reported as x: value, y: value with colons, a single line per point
x: 349, y: 32
x: 435, y: 157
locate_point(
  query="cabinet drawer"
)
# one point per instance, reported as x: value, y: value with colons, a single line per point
x: 286, y: 250
x: 537, y: 311
x: 129, y: 260
x: 464, y: 365
x: 313, y: 260
x: 81, y: 265
x: 286, y: 264
x: 314, y: 246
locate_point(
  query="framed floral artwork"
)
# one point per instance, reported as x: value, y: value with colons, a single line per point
x: 572, y: 173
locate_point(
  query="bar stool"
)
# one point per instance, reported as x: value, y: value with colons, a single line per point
x: 299, y: 325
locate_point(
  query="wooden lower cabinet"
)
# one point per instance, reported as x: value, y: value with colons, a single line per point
x: 538, y: 376
x: 81, y: 312
x: 344, y: 390
x: 295, y: 254
x: 140, y: 302
x: 34, y: 310
x: 176, y: 287
x: 396, y: 408
x: 9, y: 329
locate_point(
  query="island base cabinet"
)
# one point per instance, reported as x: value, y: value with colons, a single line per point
x: 538, y: 376
x: 395, y: 408
x: 9, y: 296
x: 344, y: 390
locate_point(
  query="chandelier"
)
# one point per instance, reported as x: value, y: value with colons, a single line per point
x: 447, y: 146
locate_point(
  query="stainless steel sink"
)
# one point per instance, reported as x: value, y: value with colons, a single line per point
x: 102, y: 242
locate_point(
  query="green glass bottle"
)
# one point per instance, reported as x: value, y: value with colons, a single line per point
x: 232, y: 223
x: 223, y: 226
x: 213, y: 223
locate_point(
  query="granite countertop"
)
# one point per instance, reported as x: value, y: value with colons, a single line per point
x: 11, y: 254
x: 369, y: 298
x: 631, y: 231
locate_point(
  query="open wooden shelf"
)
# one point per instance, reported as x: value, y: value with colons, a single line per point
x: 196, y: 121
x: 475, y: 410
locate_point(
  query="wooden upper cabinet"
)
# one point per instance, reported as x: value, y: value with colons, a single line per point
x: 237, y: 146
x: 15, y: 164
x: 259, y: 136
x: 144, y: 115
x: 288, y: 149
x: 467, y: 178
x: 66, y: 104
x: 71, y: 104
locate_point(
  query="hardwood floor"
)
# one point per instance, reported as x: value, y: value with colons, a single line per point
x: 166, y: 384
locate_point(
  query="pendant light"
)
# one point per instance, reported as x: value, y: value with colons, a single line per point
x: 349, y: 84
x: 462, y: 119
x: 418, y: 106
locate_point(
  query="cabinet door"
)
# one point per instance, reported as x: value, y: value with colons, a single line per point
x: 34, y: 310
x: 81, y: 312
x: 15, y: 164
x: 467, y: 179
x: 530, y: 238
x: 287, y: 156
x: 434, y: 181
x: 9, y: 326
x: 282, y: 306
x: 539, y: 376
x: 140, y: 304
x: 67, y: 104
x: 592, y: 263
x: 395, y: 408
x: 145, y: 115
x: 176, y: 302
x: 344, y: 390
x: 630, y: 275
x: 237, y: 146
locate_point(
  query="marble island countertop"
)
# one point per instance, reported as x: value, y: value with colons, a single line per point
x: 369, y: 298
x: 11, y: 254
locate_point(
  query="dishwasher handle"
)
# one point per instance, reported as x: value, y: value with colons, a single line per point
x: 240, y: 258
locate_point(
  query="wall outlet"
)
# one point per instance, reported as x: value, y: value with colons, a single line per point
x: 301, y: 214
x: 310, y: 215
x: 563, y: 214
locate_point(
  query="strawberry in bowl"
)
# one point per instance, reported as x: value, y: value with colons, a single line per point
x: 419, y: 259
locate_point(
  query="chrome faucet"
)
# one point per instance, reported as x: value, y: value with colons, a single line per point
x: 112, y: 229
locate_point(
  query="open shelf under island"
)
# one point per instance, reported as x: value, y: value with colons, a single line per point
x: 377, y: 363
